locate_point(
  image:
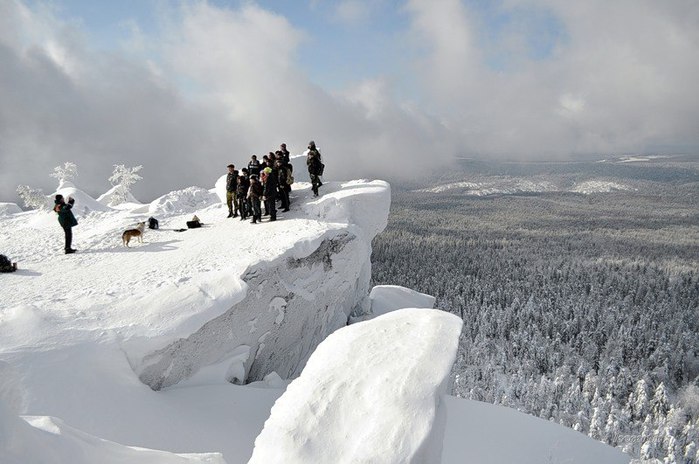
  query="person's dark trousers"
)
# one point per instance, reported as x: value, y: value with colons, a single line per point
x: 284, y: 196
x: 271, y: 207
x: 315, y: 183
x: 68, y: 231
x: 256, y: 213
x: 242, y: 208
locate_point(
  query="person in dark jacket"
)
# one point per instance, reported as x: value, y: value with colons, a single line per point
x: 283, y: 186
x: 255, y: 193
x: 66, y: 219
x: 231, y: 188
x: 242, y: 194
x: 315, y: 167
x: 270, y: 192
x: 286, y: 156
x: 254, y: 166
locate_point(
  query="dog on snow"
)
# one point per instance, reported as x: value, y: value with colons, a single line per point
x: 133, y: 233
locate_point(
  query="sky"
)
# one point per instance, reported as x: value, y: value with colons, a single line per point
x: 387, y: 89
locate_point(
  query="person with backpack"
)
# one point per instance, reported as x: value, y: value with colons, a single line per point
x: 255, y: 193
x: 315, y: 167
x: 66, y: 219
x: 231, y: 188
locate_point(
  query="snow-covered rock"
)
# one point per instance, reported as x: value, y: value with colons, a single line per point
x: 349, y: 404
x: 386, y: 298
x: 107, y: 198
x: 281, y: 308
x: 9, y: 208
x: 184, y: 201
x: 84, y: 203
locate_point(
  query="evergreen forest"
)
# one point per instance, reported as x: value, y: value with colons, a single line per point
x: 580, y: 305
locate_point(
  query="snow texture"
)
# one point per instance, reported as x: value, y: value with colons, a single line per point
x: 349, y: 405
x: 9, y: 208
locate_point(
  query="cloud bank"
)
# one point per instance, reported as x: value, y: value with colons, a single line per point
x: 214, y: 85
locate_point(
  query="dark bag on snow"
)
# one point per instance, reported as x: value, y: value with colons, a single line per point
x: 6, y: 265
x: 193, y: 224
x: 153, y: 223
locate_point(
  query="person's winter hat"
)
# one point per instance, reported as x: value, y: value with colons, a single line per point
x: 59, y: 198
x: 267, y: 170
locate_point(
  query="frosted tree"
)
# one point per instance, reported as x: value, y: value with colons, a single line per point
x: 640, y: 405
x: 122, y: 179
x: 65, y: 173
x: 660, y: 404
x: 33, y: 198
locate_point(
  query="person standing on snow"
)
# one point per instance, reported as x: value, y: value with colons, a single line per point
x: 315, y: 166
x: 254, y: 166
x: 270, y: 192
x: 254, y: 195
x: 283, y: 186
x: 66, y: 219
x: 231, y: 188
x: 242, y: 193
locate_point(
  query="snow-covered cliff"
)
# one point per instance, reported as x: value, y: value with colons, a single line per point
x: 113, y: 350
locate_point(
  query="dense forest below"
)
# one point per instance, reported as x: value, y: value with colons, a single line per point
x: 578, y: 308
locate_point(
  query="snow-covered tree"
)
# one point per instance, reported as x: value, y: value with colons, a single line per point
x: 122, y: 179
x: 33, y: 198
x: 65, y: 173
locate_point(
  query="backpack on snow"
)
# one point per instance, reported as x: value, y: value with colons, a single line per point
x: 6, y: 265
x: 153, y: 223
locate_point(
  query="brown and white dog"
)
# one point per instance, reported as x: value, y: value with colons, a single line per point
x: 131, y: 233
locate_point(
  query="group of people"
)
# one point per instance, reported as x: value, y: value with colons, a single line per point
x: 266, y: 182
x: 261, y: 182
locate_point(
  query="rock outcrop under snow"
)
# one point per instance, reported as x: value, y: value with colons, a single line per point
x: 350, y: 403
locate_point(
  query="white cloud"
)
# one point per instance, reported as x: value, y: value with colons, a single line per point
x: 226, y: 85
x: 217, y: 84
x: 623, y: 71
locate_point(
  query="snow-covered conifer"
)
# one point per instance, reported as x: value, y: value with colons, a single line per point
x: 122, y: 179
x: 65, y: 173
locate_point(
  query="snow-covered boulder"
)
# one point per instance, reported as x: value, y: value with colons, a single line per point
x: 387, y: 298
x: 84, y: 203
x: 371, y: 392
x: 108, y: 197
x: 9, y: 208
x: 280, y: 308
x: 184, y: 201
